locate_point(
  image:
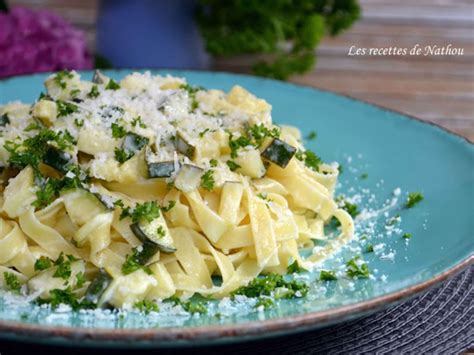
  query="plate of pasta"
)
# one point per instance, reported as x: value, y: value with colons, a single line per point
x: 178, y: 206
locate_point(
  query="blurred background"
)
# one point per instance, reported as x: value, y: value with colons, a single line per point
x: 167, y: 34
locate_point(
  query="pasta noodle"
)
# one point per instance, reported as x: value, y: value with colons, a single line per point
x: 151, y: 188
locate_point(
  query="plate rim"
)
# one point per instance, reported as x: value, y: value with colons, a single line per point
x: 179, y: 336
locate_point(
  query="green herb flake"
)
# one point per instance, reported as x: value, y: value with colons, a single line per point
x: 406, y: 236
x: 266, y: 302
x: 295, y: 268
x: 112, y: 85
x: 326, y: 275
x: 272, y: 283
x: 233, y: 166
x: 370, y: 248
x: 364, y: 176
x: 146, y: 306
x: 43, y: 263
x: 168, y: 208
x: 310, y: 159
x: 80, y: 279
x: 94, y: 92
x: 121, y: 155
x: 213, y: 163
x: 68, y: 297
x: 118, y: 131
x: 78, y: 123
x: 357, y: 268
x: 413, y: 199
x: 12, y: 282
x: 207, y: 180
x: 236, y: 144
x: 311, y: 135
x: 189, y: 306
x: 146, y: 211
x: 61, y: 78
x: 66, y: 108
x: 138, y: 121
x: 259, y: 132
x: 132, y: 263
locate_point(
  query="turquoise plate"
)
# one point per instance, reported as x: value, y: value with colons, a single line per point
x: 380, y: 151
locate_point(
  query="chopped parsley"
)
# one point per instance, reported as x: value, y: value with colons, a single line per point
x: 80, y: 279
x: 12, y: 282
x: 192, y: 90
x: 236, y: 144
x: 295, y: 268
x: 310, y: 159
x: 146, y: 211
x: 370, y: 248
x: 202, y: 133
x: 171, y: 204
x: 78, y: 123
x: 233, y: 166
x: 273, y: 284
x: 364, y: 176
x: 118, y: 131
x: 311, y: 135
x: 407, y: 236
x: 132, y: 263
x: 63, y: 269
x: 189, y: 306
x: 413, y: 199
x: 67, y: 297
x: 121, y: 155
x: 357, y: 268
x: 75, y: 92
x: 138, y: 121
x: 213, y: 163
x: 66, y: 108
x: 43, y: 263
x: 160, y: 231
x: 112, y: 85
x: 266, y: 302
x: 207, y: 180
x: 259, y: 132
x: 347, y: 206
x: 326, y: 275
x: 146, y: 306
x: 94, y: 92
x: 61, y: 77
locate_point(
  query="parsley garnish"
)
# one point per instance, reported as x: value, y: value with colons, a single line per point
x: 407, y: 236
x: 357, y: 269
x: 272, y: 283
x: 78, y: 123
x: 147, y: 211
x: 349, y: 207
x: 112, y: 85
x: 370, y: 248
x: 138, y: 121
x: 67, y: 297
x: 80, y: 279
x: 295, y: 268
x: 235, y: 144
x: 232, y: 165
x: 413, y: 199
x: 146, y: 306
x: 43, y: 263
x: 259, y: 132
x: 63, y: 269
x: 311, y: 135
x: 121, y: 155
x: 310, y: 159
x: 326, y: 275
x: 94, y: 92
x: 61, y: 77
x: 189, y: 306
x: 66, y: 108
x: 160, y: 232
x: 213, y: 163
x: 12, y: 282
x: 75, y: 92
x: 202, y: 133
x: 171, y: 204
x: 132, y: 263
x: 118, y: 131
x: 364, y: 176
x: 266, y: 302
x: 207, y: 180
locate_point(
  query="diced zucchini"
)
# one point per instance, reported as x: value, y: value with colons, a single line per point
x: 156, y: 233
x: 57, y: 159
x: 46, y: 111
x: 161, y: 169
x: 4, y: 120
x: 82, y: 205
x: 99, y: 78
x: 98, y: 286
x: 183, y: 146
x: 279, y: 152
x: 189, y: 178
x: 133, y: 143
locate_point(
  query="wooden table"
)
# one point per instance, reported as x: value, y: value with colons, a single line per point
x: 439, y: 89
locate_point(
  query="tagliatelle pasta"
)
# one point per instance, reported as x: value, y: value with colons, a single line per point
x: 148, y: 188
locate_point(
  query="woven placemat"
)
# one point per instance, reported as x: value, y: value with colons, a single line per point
x: 440, y: 321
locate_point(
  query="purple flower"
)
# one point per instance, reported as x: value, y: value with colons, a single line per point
x: 37, y: 41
